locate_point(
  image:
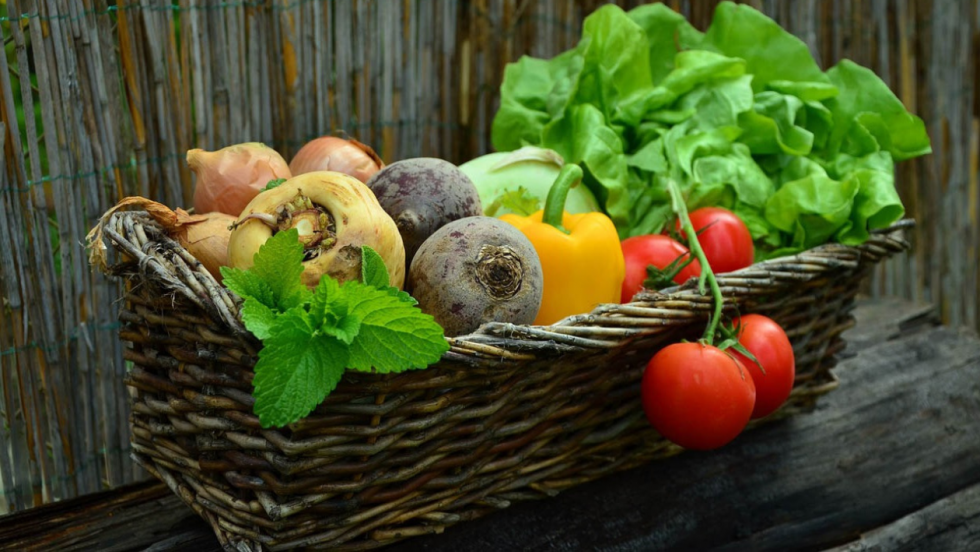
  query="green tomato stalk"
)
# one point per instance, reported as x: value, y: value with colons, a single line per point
x: 680, y: 209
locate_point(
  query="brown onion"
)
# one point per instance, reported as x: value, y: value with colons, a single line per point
x: 330, y: 153
x: 207, y: 240
x: 204, y: 236
x: 231, y: 177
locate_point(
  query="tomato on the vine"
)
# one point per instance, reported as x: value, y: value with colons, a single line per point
x: 769, y: 344
x: 697, y: 395
x: 724, y: 238
x: 658, y: 250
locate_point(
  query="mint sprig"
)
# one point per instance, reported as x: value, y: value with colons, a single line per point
x: 273, y: 184
x: 298, y: 366
x: 274, y: 278
x: 373, y: 269
x: 310, y: 338
x: 391, y: 339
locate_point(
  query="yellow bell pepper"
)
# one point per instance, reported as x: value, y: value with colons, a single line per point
x: 581, y: 257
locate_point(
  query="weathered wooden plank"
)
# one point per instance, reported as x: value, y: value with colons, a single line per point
x: 952, y: 523
x: 885, y: 319
x: 813, y: 481
x: 111, y: 520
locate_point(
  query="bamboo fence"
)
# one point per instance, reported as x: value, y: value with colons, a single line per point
x: 115, y: 94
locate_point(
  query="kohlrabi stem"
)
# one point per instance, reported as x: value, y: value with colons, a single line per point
x: 554, y: 205
x: 266, y: 218
x: 680, y: 209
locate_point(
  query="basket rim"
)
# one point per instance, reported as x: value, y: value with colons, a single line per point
x: 159, y: 257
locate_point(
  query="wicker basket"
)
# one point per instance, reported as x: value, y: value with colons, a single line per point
x: 511, y: 413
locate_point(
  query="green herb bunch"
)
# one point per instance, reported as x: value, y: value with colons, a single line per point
x: 311, y: 337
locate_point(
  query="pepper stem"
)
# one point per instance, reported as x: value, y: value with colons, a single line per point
x: 554, y: 205
x: 680, y: 209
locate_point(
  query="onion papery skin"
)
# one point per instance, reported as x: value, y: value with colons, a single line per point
x: 331, y: 153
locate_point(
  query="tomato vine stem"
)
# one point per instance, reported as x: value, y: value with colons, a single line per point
x: 680, y: 209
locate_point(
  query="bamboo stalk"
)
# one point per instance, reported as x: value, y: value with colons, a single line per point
x: 323, y: 53
x: 233, y: 29
x: 343, y: 43
x: 218, y: 68
x: 16, y: 474
x: 100, y: 112
x: 197, y: 38
x: 257, y: 102
x: 69, y: 212
x: 41, y: 308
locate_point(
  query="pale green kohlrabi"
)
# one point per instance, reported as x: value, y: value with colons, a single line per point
x: 518, y: 182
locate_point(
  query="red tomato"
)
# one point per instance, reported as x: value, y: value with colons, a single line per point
x: 727, y: 243
x: 768, y: 343
x: 697, y: 396
x: 657, y: 250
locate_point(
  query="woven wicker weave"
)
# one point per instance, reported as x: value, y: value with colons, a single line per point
x: 511, y: 413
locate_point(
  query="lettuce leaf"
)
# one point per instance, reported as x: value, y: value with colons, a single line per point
x: 740, y: 116
x: 771, y: 126
x: 523, y: 108
x: 657, y: 20
x: 868, y: 117
x: 583, y: 136
x: 770, y: 53
x: 810, y: 206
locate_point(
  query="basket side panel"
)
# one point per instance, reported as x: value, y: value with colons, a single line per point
x: 385, y: 457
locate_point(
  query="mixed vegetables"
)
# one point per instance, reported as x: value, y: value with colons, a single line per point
x: 648, y: 156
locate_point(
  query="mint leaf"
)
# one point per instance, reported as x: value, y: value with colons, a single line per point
x: 274, y: 184
x: 274, y: 278
x: 297, y: 368
x: 327, y: 300
x: 309, y: 338
x: 402, y: 296
x: 374, y: 273
x: 373, y: 269
x: 330, y: 311
x: 394, y: 335
x: 248, y: 285
x: 279, y: 263
x: 346, y: 329
x: 258, y: 318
